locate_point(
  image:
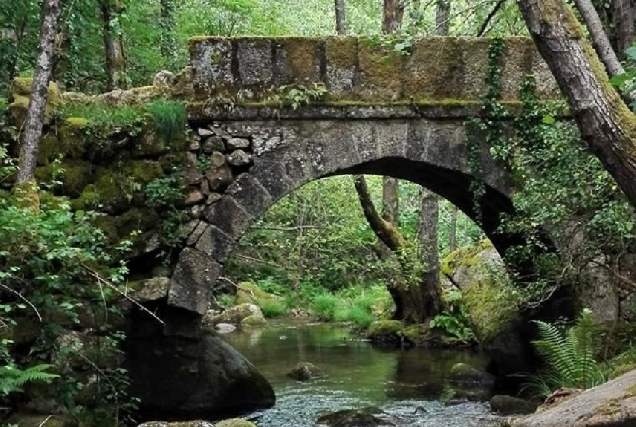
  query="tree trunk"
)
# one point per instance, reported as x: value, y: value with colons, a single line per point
x: 606, y: 123
x: 341, y: 28
x: 393, y: 13
x: 599, y: 37
x: 33, y: 123
x: 113, y: 46
x: 167, y: 23
x: 442, y: 17
x: 452, y: 229
x: 623, y: 12
x: 428, y: 251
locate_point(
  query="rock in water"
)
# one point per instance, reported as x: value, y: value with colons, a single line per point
x: 612, y: 404
x: 304, y: 371
x: 508, y: 405
x: 187, y: 379
x: 364, y: 417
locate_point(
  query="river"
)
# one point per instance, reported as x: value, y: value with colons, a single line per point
x: 409, y: 385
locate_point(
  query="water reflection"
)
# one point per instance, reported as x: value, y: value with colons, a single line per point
x: 358, y: 374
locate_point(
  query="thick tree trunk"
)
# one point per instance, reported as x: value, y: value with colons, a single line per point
x: 623, y: 12
x: 392, y: 16
x: 167, y: 23
x: 599, y: 37
x: 452, y: 230
x: 606, y: 123
x: 428, y: 251
x: 341, y: 28
x: 33, y: 123
x: 113, y: 46
x: 442, y: 17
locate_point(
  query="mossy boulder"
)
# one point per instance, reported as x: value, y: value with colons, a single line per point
x: 508, y: 405
x: 463, y: 373
x: 368, y: 417
x: 74, y: 176
x: 254, y: 320
x: 36, y: 420
x: 234, y: 315
x: 235, y: 422
x: 19, y: 100
x: 251, y: 293
x: 305, y: 371
x: 492, y: 304
x: 387, y: 333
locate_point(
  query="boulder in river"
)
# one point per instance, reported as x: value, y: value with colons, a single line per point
x: 235, y: 422
x: 185, y: 379
x: 610, y: 404
x: 503, y: 404
x: 304, y: 371
x: 364, y: 417
x: 233, y: 315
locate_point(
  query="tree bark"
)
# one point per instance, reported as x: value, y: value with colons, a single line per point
x: 452, y: 229
x: 392, y: 16
x: 428, y: 251
x: 341, y: 28
x: 442, y: 17
x: 623, y: 13
x: 37, y: 103
x: 167, y: 23
x: 606, y: 123
x: 113, y: 46
x: 599, y: 37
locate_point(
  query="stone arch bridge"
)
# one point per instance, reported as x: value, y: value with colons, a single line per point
x: 278, y: 113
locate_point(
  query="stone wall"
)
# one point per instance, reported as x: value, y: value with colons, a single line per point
x: 362, y: 69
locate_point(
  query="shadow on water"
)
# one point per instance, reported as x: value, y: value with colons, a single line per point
x: 408, y: 384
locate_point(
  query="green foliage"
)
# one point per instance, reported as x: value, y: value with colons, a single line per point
x: 324, y: 306
x: 169, y: 117
x: 453, y: 321
x: 13, y: 378
x: 54, y: 266
x: 273, y: 308
x: 296, y: 96
x: 103, y: 120
x: 487, y: 128
x: 570, y: 356
x: 166, y: 195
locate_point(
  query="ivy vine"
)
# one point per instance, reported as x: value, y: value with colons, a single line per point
x: 489, y: 125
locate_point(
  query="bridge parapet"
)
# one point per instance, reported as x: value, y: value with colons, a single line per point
x: 362, y: 69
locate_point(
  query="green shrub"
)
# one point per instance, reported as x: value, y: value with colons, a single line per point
x: 569, y: 356
x: 169, y: 116
x: 324, y: 306
x: 273, y: 308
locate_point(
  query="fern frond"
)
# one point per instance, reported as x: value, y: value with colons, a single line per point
x: 13, y: 378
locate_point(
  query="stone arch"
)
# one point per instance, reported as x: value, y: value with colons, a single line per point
x: 290, y: 153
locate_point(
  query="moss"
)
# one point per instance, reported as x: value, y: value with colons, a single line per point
x: 134, y: 219
x: 610, y: 407
x: 385, y: 327
x: 467, y: 256
x: 254, y: 320
x: 88, y: 199
x: 76, y: 122
x: 109, y: 226
x: 250, y: 293
x: 441, y: 78
x: 142, y: 171
x: 341, y: 52
x: 302, y: 57
x: 380, y: 72
x: 235, y: 422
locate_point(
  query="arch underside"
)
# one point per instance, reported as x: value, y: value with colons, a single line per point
x: 290, y: 153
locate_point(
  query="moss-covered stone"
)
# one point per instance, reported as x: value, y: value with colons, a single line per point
x: 440, y: 78
x: 380, y: 72
x: 254, y: 320
x: 235, y: 422
x: 74, y: 175
x: 298, y: 59
x: 250, y: 293
x: 88, y: 199
x: 19, y: 100
x: 466, y: 256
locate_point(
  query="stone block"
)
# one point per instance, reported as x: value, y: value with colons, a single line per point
x: 475, y: 55
x: 380, y: 70
x: 251, y: 194
x: 215, y: 243
x: 273, y: 176
x: 341, y: 63
x: 433, y: 69
x: 211, y: 59
x: 516, y: 64
x: 228, y: 215
x: 192, y: 280
x: 297, y: 60
x: 255, y: 65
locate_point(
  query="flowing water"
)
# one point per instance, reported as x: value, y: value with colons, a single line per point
x: 405, y: 384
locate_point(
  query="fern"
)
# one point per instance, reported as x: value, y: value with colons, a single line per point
x: 13, y: 378
x: 570, y: 356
